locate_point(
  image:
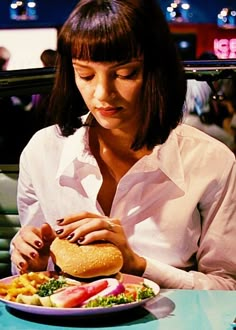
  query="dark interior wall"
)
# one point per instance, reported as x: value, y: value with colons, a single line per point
x: 55, y: 12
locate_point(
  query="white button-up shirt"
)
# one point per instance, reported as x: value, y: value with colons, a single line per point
x: 177, y: 205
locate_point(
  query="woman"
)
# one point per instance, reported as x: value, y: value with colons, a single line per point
x: 127, y: 171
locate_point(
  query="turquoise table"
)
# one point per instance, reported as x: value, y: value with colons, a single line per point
x: 172, y: 310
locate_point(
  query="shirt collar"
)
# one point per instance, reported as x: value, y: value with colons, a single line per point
x: 76, y: 146
x: 170, y: 161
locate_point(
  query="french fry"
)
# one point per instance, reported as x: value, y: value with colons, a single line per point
x: 26, y: 284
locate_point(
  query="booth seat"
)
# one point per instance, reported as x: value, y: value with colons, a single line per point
x: 9, y: 219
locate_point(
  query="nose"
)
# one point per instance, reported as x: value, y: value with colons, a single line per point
x: 103, y: 89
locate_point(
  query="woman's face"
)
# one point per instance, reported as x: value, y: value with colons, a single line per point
x: 111, y: 91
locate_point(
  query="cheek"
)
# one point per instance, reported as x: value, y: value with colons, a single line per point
x: 84, y: 91
x: 131, y: 93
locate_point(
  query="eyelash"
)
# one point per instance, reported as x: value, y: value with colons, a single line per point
x: 129, y: 76
x: 87, y: 78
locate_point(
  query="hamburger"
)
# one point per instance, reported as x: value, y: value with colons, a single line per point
x: 93, y: 260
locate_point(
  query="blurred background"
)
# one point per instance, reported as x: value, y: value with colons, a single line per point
x: 203, y: 11
x: 27, y: 27
x: 202, y: 29
x: 54, y: 12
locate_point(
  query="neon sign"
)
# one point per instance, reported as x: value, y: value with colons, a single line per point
x: 225, y: 48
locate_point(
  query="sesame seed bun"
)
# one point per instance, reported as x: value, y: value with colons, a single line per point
x: 86, y: 261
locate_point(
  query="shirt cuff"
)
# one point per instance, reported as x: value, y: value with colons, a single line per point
x: 167, y: 276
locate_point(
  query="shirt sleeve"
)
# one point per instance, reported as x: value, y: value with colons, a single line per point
x: 216, y: 256
x: 168, y: 276
x: 29, y: 209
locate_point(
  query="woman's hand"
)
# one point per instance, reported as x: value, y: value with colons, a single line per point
x: 85, y: 228
x: 31, y: 248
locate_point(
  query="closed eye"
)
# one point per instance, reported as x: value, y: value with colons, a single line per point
x: 127, y: 76
x: 86, y: 78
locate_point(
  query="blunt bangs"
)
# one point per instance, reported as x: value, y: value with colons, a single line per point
x: 106, y: 37
x: 120, y: 31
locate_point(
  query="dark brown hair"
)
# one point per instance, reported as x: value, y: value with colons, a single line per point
x: 118, y: 30
x: 49, y: 57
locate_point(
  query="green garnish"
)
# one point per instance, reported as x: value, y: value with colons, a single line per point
x: 122, y: 298
x: 109, y: 301
x: 51, y: 286
x: 145, y: 292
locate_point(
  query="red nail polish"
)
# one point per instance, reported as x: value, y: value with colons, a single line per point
x: 80, y: 240
x: 59, y: 231
x: 33, y: 255
x: 70, y: 236
x: 38, y: 244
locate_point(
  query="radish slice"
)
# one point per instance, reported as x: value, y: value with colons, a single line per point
x: 114, y: 288
x: 73, y: 296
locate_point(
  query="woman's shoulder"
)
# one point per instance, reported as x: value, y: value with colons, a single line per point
x: 50, y: 134
x: 52, y: 131
x: 44, y: 139
x: 194, y: 139
x: 188, y: 132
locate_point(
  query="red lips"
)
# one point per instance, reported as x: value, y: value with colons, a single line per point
x: 108, y: 112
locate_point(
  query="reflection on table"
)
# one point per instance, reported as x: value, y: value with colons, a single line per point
x: 172, y: 309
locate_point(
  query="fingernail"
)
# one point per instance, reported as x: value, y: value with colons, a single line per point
x: 80, y: 240
x: 70, y: 236
x: 59, y: 221
x: 33, y: 255
x: 59, y: 231
x: 38, y: 244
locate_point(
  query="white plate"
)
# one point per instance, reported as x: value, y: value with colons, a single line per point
x: 41, y: 310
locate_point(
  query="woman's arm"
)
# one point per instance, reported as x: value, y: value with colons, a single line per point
x: 216, y: 256
x: 30, y: 246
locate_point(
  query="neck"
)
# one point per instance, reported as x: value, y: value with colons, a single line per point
x: 116, y: 142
